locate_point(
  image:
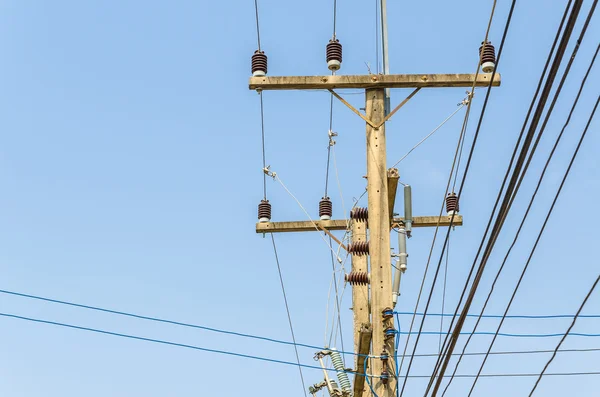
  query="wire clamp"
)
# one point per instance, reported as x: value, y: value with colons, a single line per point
x: 268, y: 172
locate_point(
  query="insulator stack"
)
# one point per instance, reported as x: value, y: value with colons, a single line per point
x: 259, y: 63
x: 359, y: 214
x: 359, y: 248
x: 338, y: 364
x: 334, y: 54
x: 325, y: 209
x: 452, y: 204
x: 488, y: 57
x: 264, y: 211
x: 357, y: 278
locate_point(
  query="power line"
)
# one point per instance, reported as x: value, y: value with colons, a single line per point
x: 567, y: 333
x: 506, y: 202
x: 287, y: 309
x: 582, y: 85
x: 182, y: 345
x: 493, y: 74
x: 257, y: 24
x: 540, y: 234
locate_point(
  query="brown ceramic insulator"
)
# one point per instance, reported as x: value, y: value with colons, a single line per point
x: 259, y: 61
x: 359, y: 214
x: 487, y: 54
x: 359, y: 248
x: 264, y: 209
x: 325, y: 208
x: 451, y: 202
x: 357, y: 278
x: 333, y: 51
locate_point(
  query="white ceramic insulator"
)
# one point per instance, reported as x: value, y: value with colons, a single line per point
x: 259, y: 73
x: 488, y: 67
x: 334, y: 64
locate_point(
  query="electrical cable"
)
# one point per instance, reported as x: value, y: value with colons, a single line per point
x: 505, y: 206
x: 566, y: 334
x: 550, y: 156
x: 444, y: 296
x: 471, y: 94
x: 461, y: 105
x: 539, y: 236
x: 257, y: 24
x: 287, y: 308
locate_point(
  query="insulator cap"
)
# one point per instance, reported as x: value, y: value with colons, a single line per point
x: 333, y: 53
x: 264, y: 211
x: 357, y: 278
x: 452, y: 203
x: 259, y: 63
x: 325, y: 209
x: 359, y: 248
x: 359, y: 214
x: 488, y: 57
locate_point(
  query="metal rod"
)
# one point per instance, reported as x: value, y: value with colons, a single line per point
x: 384, y: 44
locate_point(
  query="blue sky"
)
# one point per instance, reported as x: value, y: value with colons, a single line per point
x: 131, y: 169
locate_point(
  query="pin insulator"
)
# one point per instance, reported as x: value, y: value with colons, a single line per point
x: 387, y: 313
x: 259, y: 63
x: 488, y: 57
x: 384, y: 377
x: 452, y: 204
x: 333, y: 54
x: 325, y: 209
x: 264, y: 211
x: 359, y: 248
x: 359, y: 214
x: 357, y: 278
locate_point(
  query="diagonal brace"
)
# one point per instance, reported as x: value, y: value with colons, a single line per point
x: 362, y: 116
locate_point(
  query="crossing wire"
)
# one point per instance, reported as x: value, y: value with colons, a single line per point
x: 566, y: 333
x: 539, y: 237
x: 287, y: 308
x: 529, y: 112
x: 504, y: 208
x: 275, y: 361
x: 575, y: 102
x: 467, y: 114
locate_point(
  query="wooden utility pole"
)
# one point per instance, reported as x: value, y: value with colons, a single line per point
x: 370, y: 301
x: 379, y: 244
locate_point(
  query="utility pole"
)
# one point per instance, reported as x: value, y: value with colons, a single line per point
x: 381, y: 201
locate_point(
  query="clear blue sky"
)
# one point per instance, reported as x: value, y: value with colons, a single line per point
x: 130, y: 166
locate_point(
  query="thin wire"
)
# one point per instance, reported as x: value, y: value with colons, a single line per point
x: 430, y: 134
x: 444, y: 295
x: 540, y: 235
x: 334, y: 17
x: 287, y: 308
x: 437, y: 227
x: 550, y: 156
x: 257, y: 24
x: 337, y: 302
x: 307, y: 214
x: 377, y: 32
x: 539, y: 87
x: 565, y: 337
x: 264, y: 158
x: 329, y: 144
x: 462, y: 146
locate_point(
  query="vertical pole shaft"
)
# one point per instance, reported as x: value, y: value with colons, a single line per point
x: 360, y: 300
x: 384, y: 44
x: 379, y: 242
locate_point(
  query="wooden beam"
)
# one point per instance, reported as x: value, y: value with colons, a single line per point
x: 364, y: 345
x: 340, y: 224
x: 371, y: 81
x: 393, y: 177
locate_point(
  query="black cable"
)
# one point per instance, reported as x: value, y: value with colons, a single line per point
x: 538, y: 239
x: 337, y: 303
x: 471, y: 151
x: 525, y: 216
x: 531, y: 106
x: 287, y: 308
x: 444, y: 295
x: 568, y: 330
x: 334, y: 17
x: 505, y: 207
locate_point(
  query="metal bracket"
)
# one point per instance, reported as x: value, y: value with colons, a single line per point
x: 362, y: 116
x: 333, y: 237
